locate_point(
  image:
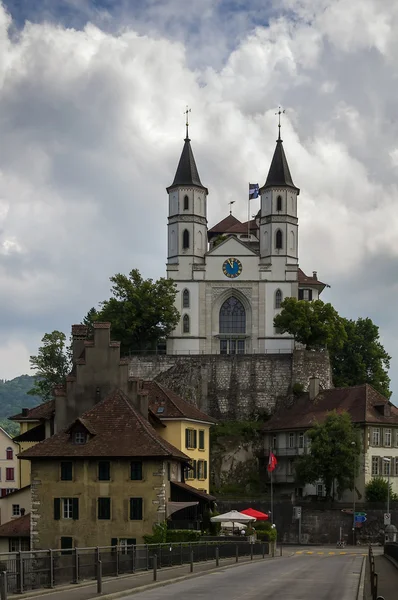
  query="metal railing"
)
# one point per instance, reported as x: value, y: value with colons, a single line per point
x: 391, y: 549
x: 25, y: 571
x: 373, y: 574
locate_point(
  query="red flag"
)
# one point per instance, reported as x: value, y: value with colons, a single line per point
x: 272, y: 462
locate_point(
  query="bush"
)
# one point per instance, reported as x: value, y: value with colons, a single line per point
x: 159, y: 534
x: 265, y: 531
x: 377, y: 490
x: 182, y: 535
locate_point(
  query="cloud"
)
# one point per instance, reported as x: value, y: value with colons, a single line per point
x: 91, y: 127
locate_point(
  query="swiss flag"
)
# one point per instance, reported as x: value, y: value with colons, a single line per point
x: 272, y: 462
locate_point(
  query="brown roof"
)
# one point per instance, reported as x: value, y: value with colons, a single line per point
x: 41, y: 411
x: 17, y: 527
x: 25, y: 487
x: 174, y: 406
x: 242, y: 227
x: 359, y: 401
x: 193, y: 491
x: 303, y: 279
x: 120, y: 431
x: 225, y: 224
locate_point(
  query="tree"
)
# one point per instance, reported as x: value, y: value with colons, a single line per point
x: 361, y: 358
x: 314, y: 324
x: 376, y: 490
x: 142, y: 311
x: 334, y: 448
x: 51, y: 365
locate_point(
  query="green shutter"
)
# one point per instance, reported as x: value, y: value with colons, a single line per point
x: 195, y: 438
x: 201, y: 439
x: 194, y: 468
x: 205, y: 469
x: 75, y: 508
x: 57, y: 509
x: 187, y: 438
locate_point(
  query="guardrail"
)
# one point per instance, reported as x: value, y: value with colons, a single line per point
x: 25, y: 571
x: 373, y: 574
x: 391, y: 549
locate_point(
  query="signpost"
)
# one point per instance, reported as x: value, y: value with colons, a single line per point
x: 387, y: 518
x: 360, y: 517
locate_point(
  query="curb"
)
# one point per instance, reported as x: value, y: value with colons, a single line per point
x: 361, y: 582
x: 391, y: 559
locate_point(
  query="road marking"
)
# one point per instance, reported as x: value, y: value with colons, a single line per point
x: 320, y: 553
x: 310, y: 553
x: 331, y: 553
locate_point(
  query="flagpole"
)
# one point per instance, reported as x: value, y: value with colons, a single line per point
x: 272, y: 499
x: 248, y: 216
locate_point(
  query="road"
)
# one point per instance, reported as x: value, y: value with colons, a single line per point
x: 300, y: 577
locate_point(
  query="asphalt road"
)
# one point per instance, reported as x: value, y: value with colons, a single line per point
x: 300, y: 577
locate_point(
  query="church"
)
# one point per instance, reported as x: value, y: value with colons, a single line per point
x: 232, y: 278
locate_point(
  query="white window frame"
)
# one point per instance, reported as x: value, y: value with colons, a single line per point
x: 319, y: 486
x: 16, y: 510
x: 79, y: 437
x: 375, y: 465
x: 396, y: 467
x: 67, y: 508
x: 376, y: 436
x: 386, y: 468
x: 292, y: 440
x: 387, y: 437
x: 301, y: 440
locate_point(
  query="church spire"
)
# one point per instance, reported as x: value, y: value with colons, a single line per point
x: 279, y: 172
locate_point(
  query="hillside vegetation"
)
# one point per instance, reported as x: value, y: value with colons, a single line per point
x: 13, y: 397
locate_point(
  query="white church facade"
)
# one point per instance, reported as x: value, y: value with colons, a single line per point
x: 232, y: 278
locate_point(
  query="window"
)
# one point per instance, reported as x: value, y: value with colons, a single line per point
x: 305, y: 295
x: 185, y: 324
x: 202, y: 469
x: 396, y: 467
x: 18, y: 544
x: 279, y: 203
x: 10, y: 476
x: 232, y: 346
x: 292, y: 440
x: 290, y: 467
x: 201, y: 439
x: 66, y: 470
x: 190, y: 438
x: 274, y: 442
x: 375, y: 465
x: 301, y: 440
x: 232, y: 316
x: 278, y: 299
x: 190, y: 472
x: 80, y: 437
x: 319, y: 489
x: 386, y: 467
x: 185, y: 299
x: 376, y: 436
x: 278, y: 240
x: 387, y: 437
x: 185, y: 239
x: 186, y: 202
x: 104, y: 508
x: 67, y: 508
x: 124, y: 544
x: 136, y: 470
x: 104, y: 470
x: 136, y: 509
x: 9, y: 454
x: 16, y: 510
x: 66, y: 545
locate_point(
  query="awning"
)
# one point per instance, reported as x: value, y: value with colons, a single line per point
x: 172, y: 507
x: 193, y: 491
x: 258, y: 515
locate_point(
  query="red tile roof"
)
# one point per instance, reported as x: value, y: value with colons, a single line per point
x: 303, y: 279
x: 17, y: 527
x: 359, y: 401
x: 174, y: 406
x: 120, y: 431
x: 39, y: 412
x: 225, y: 224
x: 242, y: 227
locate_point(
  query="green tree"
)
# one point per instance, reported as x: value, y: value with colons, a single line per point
x: 376, y: 490
x: 361, y: 358
x: 314, y: 324
x: 334, y: 448
x: 142, y: 311
x: 51, y: 365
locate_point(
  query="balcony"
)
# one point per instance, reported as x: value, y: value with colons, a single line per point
x: 289, y: 451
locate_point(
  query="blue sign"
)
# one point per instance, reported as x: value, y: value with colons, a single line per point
x: 360, y: 518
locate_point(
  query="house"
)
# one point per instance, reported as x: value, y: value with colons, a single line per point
x: 186, y: 428
x: 376, y: 418
x: 14, y: 504
x: 103, y: 471
x: 9, y: 474
x: 15, y: 535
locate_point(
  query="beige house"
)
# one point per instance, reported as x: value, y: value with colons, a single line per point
x: 15, y: 504
x: 9, y: 472
x: 375, y: 416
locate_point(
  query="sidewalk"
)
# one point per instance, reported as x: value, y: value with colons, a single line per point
x: 387, y: 585
x: 125, y: 584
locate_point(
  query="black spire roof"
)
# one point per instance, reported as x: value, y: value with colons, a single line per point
x: 279, y: 173
x: 187, y: 171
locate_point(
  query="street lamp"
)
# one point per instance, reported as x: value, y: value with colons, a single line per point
x: 388, y: 461
x: 353, y: 444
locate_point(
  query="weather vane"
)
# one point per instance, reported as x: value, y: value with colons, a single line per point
x: 230, y: 206
x: 186, y: 111
x: 279, y: 113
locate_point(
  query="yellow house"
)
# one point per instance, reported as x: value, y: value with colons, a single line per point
x: 185, y: 427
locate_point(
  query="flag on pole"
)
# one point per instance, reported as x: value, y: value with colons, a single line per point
x: 253, y: 190
x: 272, y: 462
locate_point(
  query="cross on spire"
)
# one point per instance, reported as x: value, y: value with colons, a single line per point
x: 186, y: 111
x: 279, y: 113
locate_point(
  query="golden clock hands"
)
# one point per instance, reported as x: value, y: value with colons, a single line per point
x: 231, y: 262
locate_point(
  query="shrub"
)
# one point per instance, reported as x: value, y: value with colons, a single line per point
x: 182, y: 535
x: 159, y: 534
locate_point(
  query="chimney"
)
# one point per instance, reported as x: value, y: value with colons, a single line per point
x: 22, y: 511
x: 313, y: 388
x: 79, y: 335
x: 102, y: 335
x: 314, y: 275
x: 143, y: 403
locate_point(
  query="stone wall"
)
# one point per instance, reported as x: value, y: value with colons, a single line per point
x: 234, y: 387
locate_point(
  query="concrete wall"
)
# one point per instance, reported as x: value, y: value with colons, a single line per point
x: 232, y: 387
x: 88, y: 530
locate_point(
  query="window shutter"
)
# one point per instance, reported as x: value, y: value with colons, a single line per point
x: 195, y: 439
x: 205, y: 469
x: 75, y: 508
x: 194, y: 468
x: 186, y: 438
x: 309, y: 294
x: 301, y: 295
x: 57, y: 509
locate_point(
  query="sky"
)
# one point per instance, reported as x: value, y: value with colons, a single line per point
x: 92, y: 96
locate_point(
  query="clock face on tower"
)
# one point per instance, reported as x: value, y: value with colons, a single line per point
x: 232, y: 268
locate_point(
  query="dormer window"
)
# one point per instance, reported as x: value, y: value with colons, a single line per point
x: 80, y: 437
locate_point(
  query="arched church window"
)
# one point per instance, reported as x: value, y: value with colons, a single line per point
x: 185, y: 299
x: 278, y: 298
x: 185, y: 324
x: 232, y: 316
x: 292, y: 244
x: 185, y: 239
x: 278, y: 240
x: 279, y: 203
x: 186, y: 202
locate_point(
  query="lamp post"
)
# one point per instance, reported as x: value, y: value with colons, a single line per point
x: 388, y: 461
x: 353, y: 497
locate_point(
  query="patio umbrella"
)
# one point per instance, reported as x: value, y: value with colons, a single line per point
x: 259, y: 516
x: 234, y: 516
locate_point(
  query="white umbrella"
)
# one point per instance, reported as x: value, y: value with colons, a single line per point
x: 234, y: 516
x: 230, y: 525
